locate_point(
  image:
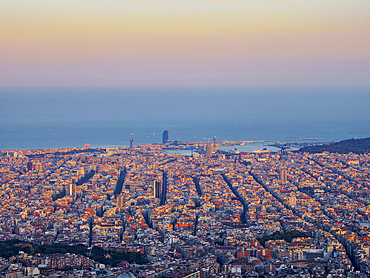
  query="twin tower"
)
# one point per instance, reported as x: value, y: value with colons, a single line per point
x: 160, y: 189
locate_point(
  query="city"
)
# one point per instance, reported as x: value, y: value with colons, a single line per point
x: 92, y: 186
x: 212, y: 214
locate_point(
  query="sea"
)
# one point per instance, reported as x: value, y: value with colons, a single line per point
x: 58, y: 117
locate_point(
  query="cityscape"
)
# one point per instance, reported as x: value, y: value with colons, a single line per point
x: 185, y: 139
x: 142, y: 211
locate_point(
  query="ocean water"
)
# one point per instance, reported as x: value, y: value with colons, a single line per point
x: 50, y: 117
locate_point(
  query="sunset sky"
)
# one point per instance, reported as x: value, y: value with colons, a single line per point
x: 184, y: 42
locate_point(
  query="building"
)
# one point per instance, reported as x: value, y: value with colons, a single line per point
x: 165, y: 136
x: 131, y: 142
x: 164, y: 189
x: 157, y: 189
x: 71, y: 190
x: 120, y: 201
x: 283, y: 175
x: 81, y: 171
x: 99, y: 211
x: 177, y: 142
x: 292, y: 200
x: 211, y: 149
x: 38, y: 166
x: 29, y: 166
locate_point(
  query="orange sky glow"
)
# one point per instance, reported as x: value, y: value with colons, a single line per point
x: 78, y: 32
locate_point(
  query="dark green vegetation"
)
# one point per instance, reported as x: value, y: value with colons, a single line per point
x: 288, y: 236
x: 358, y: 146
x: 11, y: 248
x: 113, y: 258
x: 62, y: 249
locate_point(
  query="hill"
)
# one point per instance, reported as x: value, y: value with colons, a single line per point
x: 358, y: 146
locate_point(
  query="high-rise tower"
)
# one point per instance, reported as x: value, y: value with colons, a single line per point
x: 209, y: 150
x: 164, y: 189
x: 29, y: 166
x: 165, y: 136
x: 157, y: 189
x: 283, y: 175
x: 71, y: 190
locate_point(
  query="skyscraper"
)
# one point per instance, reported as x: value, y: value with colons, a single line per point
x: 131, y: 142
x: 71, y: 190
x: 157, y: 189
x: 29, y: 166
x: 165, y: 136
x: 164, y: 189
x: 99, y: 211
x: 283, y: 175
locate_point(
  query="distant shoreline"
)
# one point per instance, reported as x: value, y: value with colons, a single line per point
x: 357, y: 146
x: 183, y: 146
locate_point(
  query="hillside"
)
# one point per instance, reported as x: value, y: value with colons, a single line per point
x: 358, y: 146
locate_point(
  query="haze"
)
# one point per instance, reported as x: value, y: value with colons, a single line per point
x: 184, y: 42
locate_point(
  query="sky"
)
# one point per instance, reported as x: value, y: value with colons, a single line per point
x: 184, y: 42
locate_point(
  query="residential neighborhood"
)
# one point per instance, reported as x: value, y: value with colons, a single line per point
x: 210, y: 214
